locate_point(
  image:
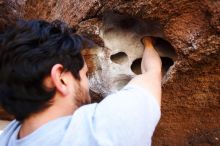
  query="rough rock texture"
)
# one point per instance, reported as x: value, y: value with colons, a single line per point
x: 70, y: 11
x: 191, y: 87
x: 9, y: 12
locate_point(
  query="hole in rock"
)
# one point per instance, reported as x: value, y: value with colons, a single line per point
x: 166, y: 63
x: 119, y: 58
x: 136, y: 66
x: 164, y: 48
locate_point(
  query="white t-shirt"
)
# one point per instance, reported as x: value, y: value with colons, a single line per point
x: 125, y: 118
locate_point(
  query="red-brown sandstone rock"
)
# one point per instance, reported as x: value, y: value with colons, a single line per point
x: 191, y: 87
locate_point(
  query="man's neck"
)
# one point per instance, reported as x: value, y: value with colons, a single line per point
x: 39, y: 119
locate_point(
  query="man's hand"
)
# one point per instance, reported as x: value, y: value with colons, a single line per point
x: 147, y: 42
x: 151, y: 61
x: 151, y: 65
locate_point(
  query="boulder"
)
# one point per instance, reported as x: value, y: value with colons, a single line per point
x: 191, y: 83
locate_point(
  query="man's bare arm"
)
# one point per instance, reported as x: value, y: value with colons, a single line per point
x: 151, y: 65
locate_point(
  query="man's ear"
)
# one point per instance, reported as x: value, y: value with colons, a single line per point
x: 56, y: 77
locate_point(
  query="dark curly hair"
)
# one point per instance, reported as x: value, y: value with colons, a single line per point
x: 28, y: 51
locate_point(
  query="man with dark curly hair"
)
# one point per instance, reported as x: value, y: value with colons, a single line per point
x: 43, y: 83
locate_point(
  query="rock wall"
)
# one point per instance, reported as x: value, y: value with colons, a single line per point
x: 191, y: 87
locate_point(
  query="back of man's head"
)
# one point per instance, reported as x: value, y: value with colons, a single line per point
x: 28, y: 51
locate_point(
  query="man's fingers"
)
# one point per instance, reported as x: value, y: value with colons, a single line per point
x: 148, y: 42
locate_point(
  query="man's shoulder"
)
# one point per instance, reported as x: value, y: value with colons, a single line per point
x: 12, y: 126
x: 7, y: 133
x: 131, y: 90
